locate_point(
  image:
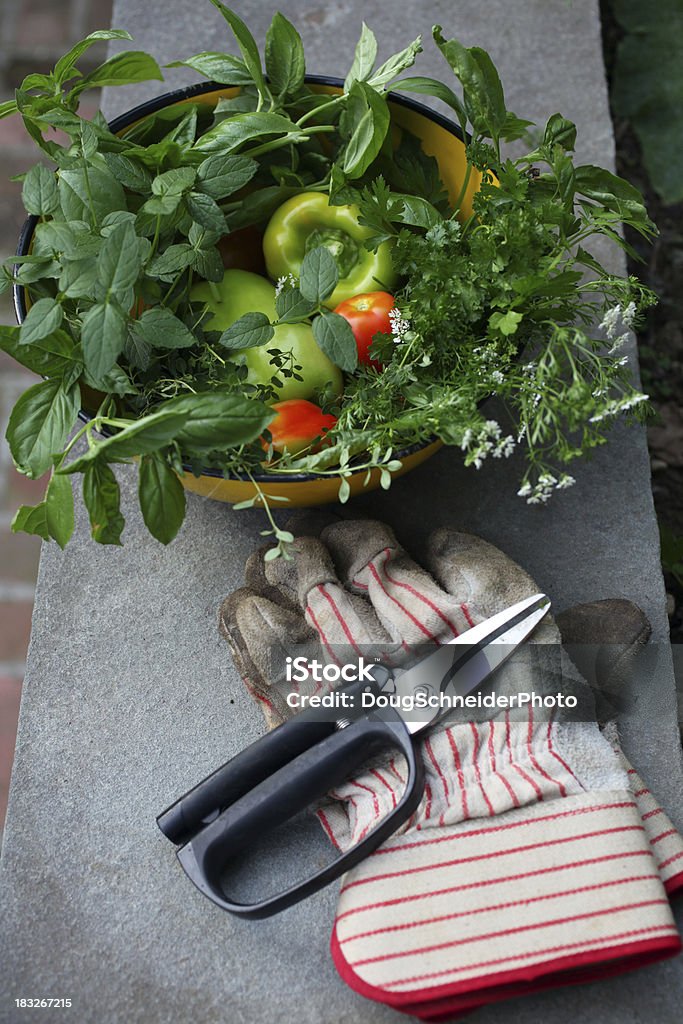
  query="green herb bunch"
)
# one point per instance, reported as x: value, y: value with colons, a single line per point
x: 493, y: 302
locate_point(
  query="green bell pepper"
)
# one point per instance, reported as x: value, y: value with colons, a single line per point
x: 307, y: 221
x: 241, y: 292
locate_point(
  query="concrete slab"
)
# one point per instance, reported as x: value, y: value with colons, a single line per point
x: 130, y: 695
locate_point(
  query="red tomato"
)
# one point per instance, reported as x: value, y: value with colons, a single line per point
x: 297, y: 424
x: 368, y: 315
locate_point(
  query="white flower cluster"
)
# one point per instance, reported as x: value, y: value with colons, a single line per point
x: 539, y: 493
x: 488, y: 440
x: 619, y: 405
x: 399, y: 326
x: 287, y: 281
x: 617, y: 317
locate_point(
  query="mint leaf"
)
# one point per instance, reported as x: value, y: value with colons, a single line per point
x: 39, y: 191
x: 334, y: 336
x: 160, y: 328
x: 219, y: 175
x: 250, y: 331
x: 291, y: 306
x: 319, y: 275
x: 205, y: 211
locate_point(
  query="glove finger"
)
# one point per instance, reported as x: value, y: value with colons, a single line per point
x: 410, y: 605
x: 481, y: 578
x: 261, y: 633
x: 344, y: 622
x: 603, y: 639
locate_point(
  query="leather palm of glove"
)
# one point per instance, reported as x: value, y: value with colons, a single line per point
x: 536, y: 856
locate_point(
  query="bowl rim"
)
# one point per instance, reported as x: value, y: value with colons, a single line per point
x: 167, y: 99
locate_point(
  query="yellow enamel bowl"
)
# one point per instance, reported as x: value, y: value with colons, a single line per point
x: 441, y: 139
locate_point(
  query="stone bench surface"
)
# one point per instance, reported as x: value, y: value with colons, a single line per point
x: 131, y: 696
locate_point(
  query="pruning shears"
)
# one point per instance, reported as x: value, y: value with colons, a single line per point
x: 295, y: 765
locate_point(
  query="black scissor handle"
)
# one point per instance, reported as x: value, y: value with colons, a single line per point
x: 181, y: 821
x: 290, y: 789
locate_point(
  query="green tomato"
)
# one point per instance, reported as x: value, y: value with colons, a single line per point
x: 242, y: 292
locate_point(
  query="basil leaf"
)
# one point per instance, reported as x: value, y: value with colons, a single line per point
x: 416, y: 211
x: 431, y: 87
x: 64, y: 66
x: 219, y: 67
x: 247, y: 45
x: 7, y: 108
x: 335, y: 337
x: 39, y: 191
x: 54, y: 356
x: 160, y: 328
x: 103, y: 333
x: 292, y: 306
x: 205, y: 211
x: 39, y: 425
x: 612, y: 192
x: 123, y: 68
x: 396, y: 64
x: 228, y: 135
x: 149, y: 433
x: 250, y: 331
x: 319, y: 274
x: 483, y: 93
x: 42, y: 319
x: 363, y: 58
x: 102, y: 499
x: 285, y: 62
x: 119, y: 263
x: 59, y: 509
x: 162, y: 498
x: 31, y: 519
x: 215, y: 421
x: 219, y: 176
x: 369, y: 133
x: 559, y: 132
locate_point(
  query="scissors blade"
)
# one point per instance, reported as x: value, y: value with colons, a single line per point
x: 466, y: 661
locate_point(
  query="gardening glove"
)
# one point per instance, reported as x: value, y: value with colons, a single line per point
x: 457, y: 909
